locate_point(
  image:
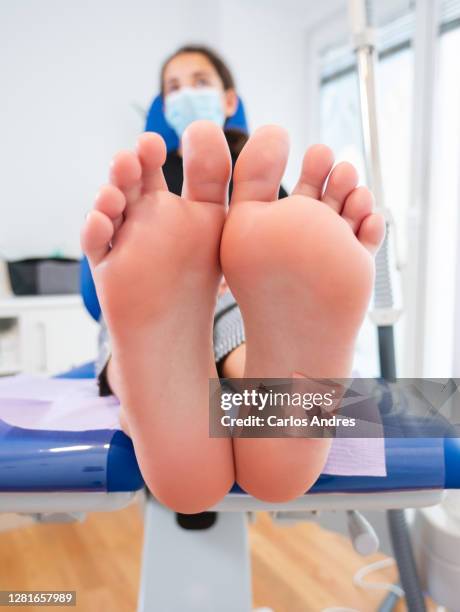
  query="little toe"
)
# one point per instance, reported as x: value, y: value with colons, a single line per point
x: 96, y: 234
x: 342, y: 180
x: 372, y: 232
x: 151, y: 150
x: 126, y: 173
x: 316, y: 166
x: 358, y: 205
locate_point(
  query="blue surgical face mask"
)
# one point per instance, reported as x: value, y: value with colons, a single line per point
x: 190, y: 104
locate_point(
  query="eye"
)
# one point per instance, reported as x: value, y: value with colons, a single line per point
x: 171, y: 85
x: 202, y: 82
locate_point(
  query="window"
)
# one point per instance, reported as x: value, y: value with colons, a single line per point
x: 340, y: 128
x: 443, y: 220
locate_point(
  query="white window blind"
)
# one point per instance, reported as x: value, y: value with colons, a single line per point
x: 395, y: 30
x: 336, y: 61
x: 450, y: 13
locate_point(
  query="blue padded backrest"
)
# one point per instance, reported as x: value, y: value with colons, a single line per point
x: 156, y: 122
x: 88, y: 290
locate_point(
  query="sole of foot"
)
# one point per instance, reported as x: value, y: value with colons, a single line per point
x: 154, y: 257
x: 302, y: 271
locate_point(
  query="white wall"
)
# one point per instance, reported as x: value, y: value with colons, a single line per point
x: 72, y: 73
x: 268, y: 53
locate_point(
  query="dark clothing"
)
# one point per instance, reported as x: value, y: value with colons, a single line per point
x: 174, y: 174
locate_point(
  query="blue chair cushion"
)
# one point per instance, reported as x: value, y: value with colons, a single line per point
x: 88, y: 290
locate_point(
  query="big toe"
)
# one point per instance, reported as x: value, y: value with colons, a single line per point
x: 207, y: 163
x: 260, y: 166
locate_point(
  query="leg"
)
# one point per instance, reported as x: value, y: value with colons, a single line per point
x: 233, y: 364
x: 155, y: 262
x: 302, y: 271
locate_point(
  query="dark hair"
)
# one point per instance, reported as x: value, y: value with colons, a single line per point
x: 236, y: 138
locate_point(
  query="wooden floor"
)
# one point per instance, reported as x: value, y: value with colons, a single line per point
x: 301, y: 568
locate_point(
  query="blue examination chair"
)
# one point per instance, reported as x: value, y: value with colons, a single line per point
x: 60, y: 475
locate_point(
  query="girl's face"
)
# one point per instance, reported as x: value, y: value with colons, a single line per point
x: 195, y: 70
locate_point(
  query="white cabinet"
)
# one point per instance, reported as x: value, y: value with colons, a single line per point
x: 45, y: 334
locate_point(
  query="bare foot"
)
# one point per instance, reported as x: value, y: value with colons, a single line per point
x: 155, y: 262
x: 302, y: 271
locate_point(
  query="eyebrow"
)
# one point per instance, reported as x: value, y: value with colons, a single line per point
x: 171, y: 80
x: 200, y: 73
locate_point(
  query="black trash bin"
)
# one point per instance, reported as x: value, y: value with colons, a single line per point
x: 44, y: 276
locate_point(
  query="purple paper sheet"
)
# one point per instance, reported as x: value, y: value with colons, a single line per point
x: 34, y: 402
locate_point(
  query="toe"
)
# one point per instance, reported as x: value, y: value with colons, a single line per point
x: 96, y: 234
x: 372, y: 232
x: 358, y: 205
x: 342, y: 180
x: 111, y: 202
x: 207, y: 163
x: 260, y: 166
x: 316, y: 166
x: 151, y: 150
x: 126, y: 173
